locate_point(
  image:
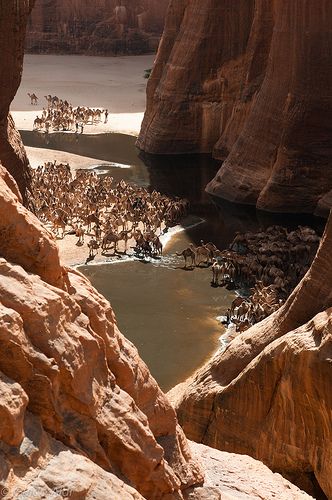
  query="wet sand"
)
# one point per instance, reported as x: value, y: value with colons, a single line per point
x: 72, y: 254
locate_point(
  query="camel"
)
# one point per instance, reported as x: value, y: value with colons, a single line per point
x: 125, y: 235
x: 38, y: 123
x: 217, y: 270
x: 93, y: 246
x: 188, y: 254
x: 203, y: 254
x: 109, y: 238
x: 157, y: 245
x: 33, y: 99
x: 59, y: 224
x: 80, y: 232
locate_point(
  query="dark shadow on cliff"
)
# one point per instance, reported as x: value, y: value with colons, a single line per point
x: 186, y: 176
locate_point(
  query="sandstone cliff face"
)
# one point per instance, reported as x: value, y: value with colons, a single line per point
x: 269, y: 394
x: 12, y: 34
x: 251, y: 82
x: 106, y: 27
x: 80, y: 415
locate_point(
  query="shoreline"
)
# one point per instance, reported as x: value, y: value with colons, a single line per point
x: 126, y: 103
x: 79, y: 255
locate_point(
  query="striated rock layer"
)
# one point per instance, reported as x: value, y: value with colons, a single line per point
x: 268, y: 395
x: 249, y: 80
x: 105, y: 27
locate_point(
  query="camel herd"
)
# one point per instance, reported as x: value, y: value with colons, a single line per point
x: 103, y: 214
x: 265, y: 266
x: 269, y: 264
x: 60, y: 115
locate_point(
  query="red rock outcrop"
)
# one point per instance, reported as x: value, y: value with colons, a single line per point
x: 250, y: 81
x: 268, y: 395
x: 63, y: 361
x: 73, y: 369
x: 106, y: 27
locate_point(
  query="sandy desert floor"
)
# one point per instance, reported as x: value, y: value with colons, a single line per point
x: 115, y: 83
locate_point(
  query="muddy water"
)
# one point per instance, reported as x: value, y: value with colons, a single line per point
x: 168, y: 313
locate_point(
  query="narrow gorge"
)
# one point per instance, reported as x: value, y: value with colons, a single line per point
x: 248, y: 80
x: 81, y: 415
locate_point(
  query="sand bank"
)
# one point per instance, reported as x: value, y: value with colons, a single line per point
x: 37, y: 156
x: 72, y: 254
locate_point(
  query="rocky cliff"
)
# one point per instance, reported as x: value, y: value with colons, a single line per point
x: 105, y: 27
x: 268, y: 395
x: 249, y: 80
x: 80, y: 415
x: 12, y: 34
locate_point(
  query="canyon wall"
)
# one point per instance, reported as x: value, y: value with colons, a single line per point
x: 80, y: 415
x: 12, y: 34
x: 268, y: 395
x: 251, y: 82
x: 96, y: 27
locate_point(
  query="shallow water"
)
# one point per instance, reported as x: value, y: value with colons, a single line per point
x: 168, y: 313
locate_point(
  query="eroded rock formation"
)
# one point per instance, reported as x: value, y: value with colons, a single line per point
x: 12, y: 34
x: 80, y: 415
x: 67, y: 374
x: 106, y: 27
x: 269, y: 394
x: 249, y: 80
x: 76, y: 397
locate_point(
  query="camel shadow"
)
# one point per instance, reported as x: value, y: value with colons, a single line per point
x: 79, y: 243
x: 185, y: 268
x: 89, y: 259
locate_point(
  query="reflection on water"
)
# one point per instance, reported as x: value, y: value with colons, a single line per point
x: 168, y: 313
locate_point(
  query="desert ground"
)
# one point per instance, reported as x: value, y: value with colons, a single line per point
x: 114, y: 83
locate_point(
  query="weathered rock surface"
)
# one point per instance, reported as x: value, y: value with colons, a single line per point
x: 70, y: 366
x: 75, y: 396
x: 250, y: 81
x: 106, y: 27
x: 12, y: 34
x: 80, y: 415
x: 268, y: 395
x: 229, y: 476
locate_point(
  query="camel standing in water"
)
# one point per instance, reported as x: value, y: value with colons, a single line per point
x: 188, y: 254
x: 33, y: 99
